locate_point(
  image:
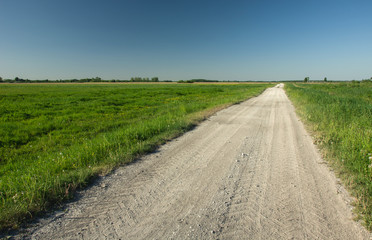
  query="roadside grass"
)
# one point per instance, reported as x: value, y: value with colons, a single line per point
x: 340, y: 116
x: 55, y: 138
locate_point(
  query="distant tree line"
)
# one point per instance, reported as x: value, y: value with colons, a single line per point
x: 17, y: 79
x: 196, y: 80
x: 133, y: 79
x: 307, y: 79
x: 83, y: 80
x: 139, y: 79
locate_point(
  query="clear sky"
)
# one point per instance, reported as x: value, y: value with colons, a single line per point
x: 185, y: 39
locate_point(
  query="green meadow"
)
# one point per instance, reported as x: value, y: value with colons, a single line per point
x: 340, y: 116
x: 55, y: 138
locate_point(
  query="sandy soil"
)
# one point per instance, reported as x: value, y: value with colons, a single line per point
x: 249, y: 172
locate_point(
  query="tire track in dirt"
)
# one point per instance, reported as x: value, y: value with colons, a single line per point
x: 249, y: 172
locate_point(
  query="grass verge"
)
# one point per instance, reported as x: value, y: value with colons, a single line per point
x: 55, y: 138
x: 340, y: 116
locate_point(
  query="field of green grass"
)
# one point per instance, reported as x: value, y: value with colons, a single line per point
x: 340, y: 116
x: 55, y: 138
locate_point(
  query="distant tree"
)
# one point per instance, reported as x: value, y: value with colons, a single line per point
x: 17, y: 79
x: 1, y: 79
x: 325, y: 79
x: 96, y: 79
x: 155, y: 79
x: 306, y: 79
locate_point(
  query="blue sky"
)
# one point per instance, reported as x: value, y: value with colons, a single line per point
x: 174, y: 39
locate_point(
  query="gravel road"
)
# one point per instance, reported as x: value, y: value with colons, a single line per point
x: 249, y: 172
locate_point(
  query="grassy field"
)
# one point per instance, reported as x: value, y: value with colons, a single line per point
x: 55, y: 138
x: 340, y: 116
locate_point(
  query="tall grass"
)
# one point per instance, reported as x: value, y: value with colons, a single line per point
x: 340, y: 114
x: 55, y: 138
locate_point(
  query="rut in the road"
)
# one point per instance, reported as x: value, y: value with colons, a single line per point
x: 250, y: 172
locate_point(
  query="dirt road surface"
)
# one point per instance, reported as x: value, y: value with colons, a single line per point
x: 249, y: 172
